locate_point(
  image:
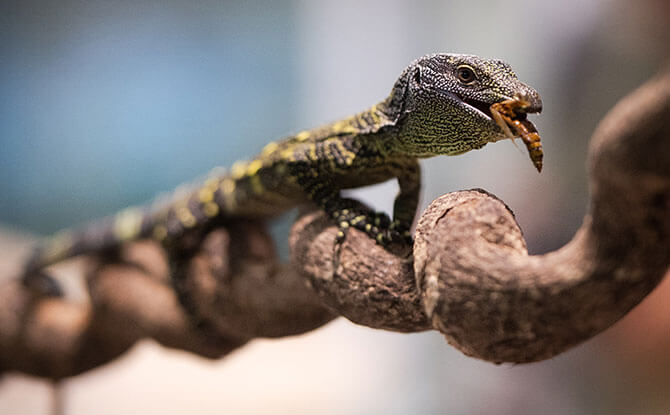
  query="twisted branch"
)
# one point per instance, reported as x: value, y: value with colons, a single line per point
x: 469, y: 274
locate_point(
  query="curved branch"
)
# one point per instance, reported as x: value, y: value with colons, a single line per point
x: 469, y: 274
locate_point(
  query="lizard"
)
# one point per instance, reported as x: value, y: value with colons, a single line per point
x: 440, y: 105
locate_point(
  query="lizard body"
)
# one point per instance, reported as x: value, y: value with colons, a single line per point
x: 438, y: 106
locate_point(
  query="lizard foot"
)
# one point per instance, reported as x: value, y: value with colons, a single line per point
x: 376, y: 225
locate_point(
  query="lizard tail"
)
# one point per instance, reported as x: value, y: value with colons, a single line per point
x: 165, y: 220
x: 100, y: 236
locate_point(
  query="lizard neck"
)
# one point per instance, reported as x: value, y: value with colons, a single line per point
x: 371, y: 131
x: 375, y: 130
x: 366, y: 122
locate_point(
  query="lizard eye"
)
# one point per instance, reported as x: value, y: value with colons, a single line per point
x: 466, y: 74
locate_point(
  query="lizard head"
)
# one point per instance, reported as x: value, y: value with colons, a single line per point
x: 442, y: 103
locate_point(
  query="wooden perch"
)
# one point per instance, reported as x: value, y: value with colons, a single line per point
x: 469, y: 275
x: 241, y: 291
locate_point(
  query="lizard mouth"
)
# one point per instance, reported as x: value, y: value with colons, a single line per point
x: 484, y: 108
x: 480, y: 106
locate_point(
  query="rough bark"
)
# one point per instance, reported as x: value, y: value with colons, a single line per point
x: 468, y: 275
x: 241, y: 292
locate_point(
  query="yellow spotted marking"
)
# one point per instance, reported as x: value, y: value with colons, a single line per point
x: 339, y: 126
x: 127, y: 224
x: 375, y: 116
x: 228, y: 189
x: 343, y: 126
x: 211, y: 209
x: 302, y: 136
x: 238, y: 169
x: 287, y: 154
x: 160, y: 232
x: 205, y: 195
x: 348, y: 155
x: 357, y: 219
x: 269, y: 148
x: 254, y: 167
x: 186, y: 217
x: 228, y: 186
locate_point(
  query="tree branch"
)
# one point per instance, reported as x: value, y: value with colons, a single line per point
x: 469, y: 274
x: 241, y: 290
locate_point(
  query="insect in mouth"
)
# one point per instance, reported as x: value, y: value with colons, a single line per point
x: 510, y: 115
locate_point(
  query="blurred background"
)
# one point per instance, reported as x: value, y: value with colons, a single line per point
x: 106, y: 104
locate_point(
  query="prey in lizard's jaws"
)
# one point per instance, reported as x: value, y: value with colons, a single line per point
x: 510, y: 115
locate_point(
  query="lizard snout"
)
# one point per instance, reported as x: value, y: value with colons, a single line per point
x: 532, y: 98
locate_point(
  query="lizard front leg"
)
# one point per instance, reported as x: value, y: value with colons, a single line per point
x: 348, y: 213
x: 407, y: 200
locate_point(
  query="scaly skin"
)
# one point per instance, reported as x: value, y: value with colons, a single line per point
x: 432, y: 110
